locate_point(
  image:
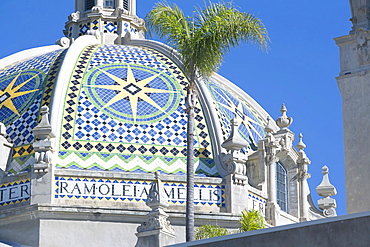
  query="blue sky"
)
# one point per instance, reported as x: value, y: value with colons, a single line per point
x: 299, y: 69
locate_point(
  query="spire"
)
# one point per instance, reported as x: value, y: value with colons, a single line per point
x: 157, y: 230
x: 301, y: 146
x: 235, y: 142
x: 326, y: 189
x: 109, y: 19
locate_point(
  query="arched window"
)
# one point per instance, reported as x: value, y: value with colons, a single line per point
x: 126, y: 4
x: 282, y: 186
x: 89, y: 4
x: 109, y: 4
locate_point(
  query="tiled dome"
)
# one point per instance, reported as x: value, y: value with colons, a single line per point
x: 121, y: 108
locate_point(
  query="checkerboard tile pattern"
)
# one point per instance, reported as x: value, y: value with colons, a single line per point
x: 34, y: 78
x: 100, y: 135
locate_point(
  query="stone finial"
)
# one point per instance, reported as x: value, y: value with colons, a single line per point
x: 302, y: 161
x: 157, y: 197
x: 235, y: 142
x: 158, y: 201
x: 43, y: 130
x: 42, y: 145
x: 268, y: 127
x: 301, y: 145
x: 156, y: 231
x: 326, y: 189
x: 284, y: 121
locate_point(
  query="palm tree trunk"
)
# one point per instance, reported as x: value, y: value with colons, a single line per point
x: 191, y: 100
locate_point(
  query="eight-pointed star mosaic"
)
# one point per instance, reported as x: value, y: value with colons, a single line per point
x: 132, y: 89
x: 10, y: 92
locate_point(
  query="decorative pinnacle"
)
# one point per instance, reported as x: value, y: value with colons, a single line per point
x: 43, y: 130
x: 268, y: 127
x: 157, y: 198
x: 325, y: 189
x: 284, y: 121
x: 235, y: 141
x: 301, y: 144
x: 325, y: 170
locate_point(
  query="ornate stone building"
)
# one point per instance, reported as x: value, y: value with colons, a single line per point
x: 353, y: 82
x: 86, y: 123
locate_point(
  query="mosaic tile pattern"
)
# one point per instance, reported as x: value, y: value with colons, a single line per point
x: 15, y: 192
x: 24, y: 86
x: 127, y: 28
x: 95, y: 25
x: 228, y: 106
x: 110, y: 27
x: 83, y: 28
x: 124, y: 111
x: 134, y: 191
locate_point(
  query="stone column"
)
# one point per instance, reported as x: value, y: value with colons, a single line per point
x: 272, y: 208
x: 303, y: 163
x: 80, y: 6
x: 99, y: 3
x: 132, y: 7
x: 236, y: 183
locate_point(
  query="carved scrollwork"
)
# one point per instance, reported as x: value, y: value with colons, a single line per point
x: 74, y: 16
x: 330, y: 212
x: 155, y: 223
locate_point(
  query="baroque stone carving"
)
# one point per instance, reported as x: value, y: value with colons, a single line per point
x: 74, y: 16
x: 362, y: 46
x: 63, y: 42
x: 97, y: 9
x: 235, y: 161
x: 157, y: 200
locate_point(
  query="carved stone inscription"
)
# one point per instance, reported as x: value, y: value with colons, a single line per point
x: 15, y: 192
x: 134, y: 191
x: 256, y: 203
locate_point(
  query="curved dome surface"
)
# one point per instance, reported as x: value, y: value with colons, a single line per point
x: 24, y: 87
x: 122, y: 108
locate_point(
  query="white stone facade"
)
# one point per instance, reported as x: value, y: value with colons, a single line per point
x: 353, y: 82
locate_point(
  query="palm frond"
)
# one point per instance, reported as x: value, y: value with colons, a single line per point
x: 169, y: 22
x: 219, y: 27
x: 204, y: 39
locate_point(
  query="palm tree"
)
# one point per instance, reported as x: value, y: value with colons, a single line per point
x: 251, y: 220
x: 202, y: 41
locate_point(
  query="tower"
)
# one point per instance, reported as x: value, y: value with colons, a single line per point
x: 110, y: 20
x: 354, y: 85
